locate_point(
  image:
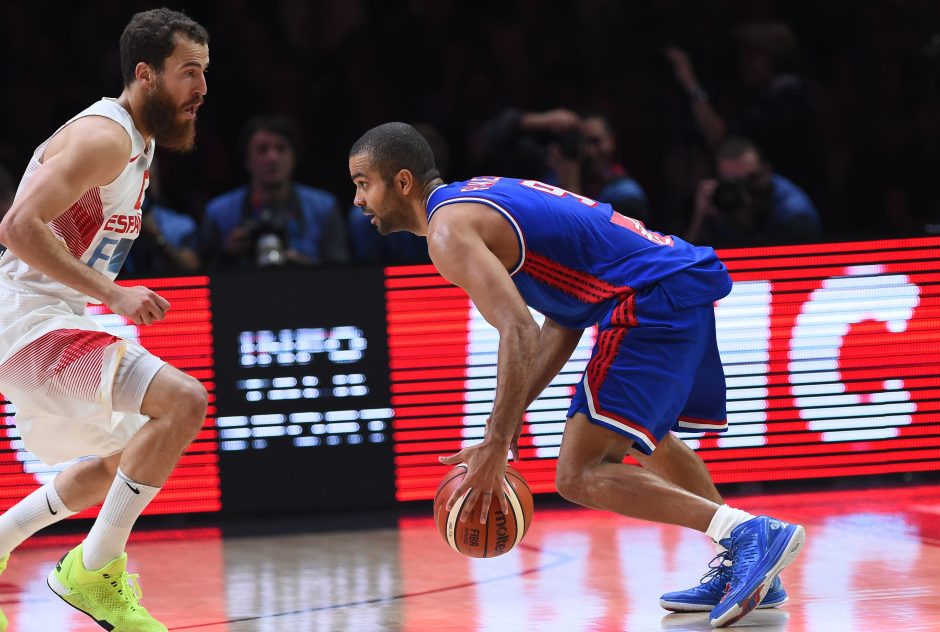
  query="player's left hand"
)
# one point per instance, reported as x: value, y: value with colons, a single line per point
x: 486, y: 477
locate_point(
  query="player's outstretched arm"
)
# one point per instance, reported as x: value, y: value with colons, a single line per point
x: 88, y: 153
x: 461, y: 255
x: 556, y: 344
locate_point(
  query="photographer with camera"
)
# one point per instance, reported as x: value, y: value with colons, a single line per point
x: 561, y: 148
x: 543, y: 146
x: 750, y: 205
x: 273, y: 220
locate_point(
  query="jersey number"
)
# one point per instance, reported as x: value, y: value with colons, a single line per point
x: 637, y: 227
x: 143, y: 187
x: 558, y: 192
x: 627, y: 222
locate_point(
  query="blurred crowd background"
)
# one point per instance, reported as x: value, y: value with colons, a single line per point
x: 729, y: 122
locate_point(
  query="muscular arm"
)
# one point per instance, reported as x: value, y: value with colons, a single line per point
x: 556, y: 344
x: 64, y: 177
x: 460, y: 254
x: 88, y: 153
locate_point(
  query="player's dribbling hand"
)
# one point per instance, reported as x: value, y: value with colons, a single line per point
x: 486, y: 477
x: 139, y: 304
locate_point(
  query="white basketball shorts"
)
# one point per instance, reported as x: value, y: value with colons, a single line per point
x: 77, y: 389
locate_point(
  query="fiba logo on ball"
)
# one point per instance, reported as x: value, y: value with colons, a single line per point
x: 501, y: 532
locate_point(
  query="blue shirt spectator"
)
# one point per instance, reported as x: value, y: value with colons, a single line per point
x: 309, y: 222
x: 606, y: 180
x: 749, y: 204
x: 792, y: 206
x: 168, y: 243
x: 273, y: 220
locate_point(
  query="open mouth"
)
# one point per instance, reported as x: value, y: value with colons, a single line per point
x: 190, y: 111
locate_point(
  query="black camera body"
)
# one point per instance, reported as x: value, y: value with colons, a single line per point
x: 269, y: 237
x: 731, y: 196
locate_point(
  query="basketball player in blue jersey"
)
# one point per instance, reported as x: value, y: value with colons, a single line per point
x: 655, y: 368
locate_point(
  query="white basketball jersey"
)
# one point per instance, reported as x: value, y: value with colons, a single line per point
x: 100, y: 227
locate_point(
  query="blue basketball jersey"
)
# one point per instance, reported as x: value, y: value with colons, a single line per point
x: 579, y: 257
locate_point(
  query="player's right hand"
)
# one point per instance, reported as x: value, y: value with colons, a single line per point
x: 139, y: 304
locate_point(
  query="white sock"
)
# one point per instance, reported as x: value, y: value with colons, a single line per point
x: 121, y: 508
x: 40, y: 509
x: 724, y: 521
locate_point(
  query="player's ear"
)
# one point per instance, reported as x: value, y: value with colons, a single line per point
x: 405, y: 181
x: 145, y: 74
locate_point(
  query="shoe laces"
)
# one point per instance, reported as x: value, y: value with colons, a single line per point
x: 127, y: 588
x: 744, y: 552
x: 718, y: 568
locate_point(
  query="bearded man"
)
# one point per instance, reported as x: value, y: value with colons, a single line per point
x: 80, y: 392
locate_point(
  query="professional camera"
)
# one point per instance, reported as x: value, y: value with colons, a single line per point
x: 732, y: 195
x: 269, y: 238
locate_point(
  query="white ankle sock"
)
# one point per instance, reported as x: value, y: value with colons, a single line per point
x: 121, y: 508
x: 724, y: 521
x: 40, y: 509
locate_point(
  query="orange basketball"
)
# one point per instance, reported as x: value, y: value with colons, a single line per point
x: 500, y: 533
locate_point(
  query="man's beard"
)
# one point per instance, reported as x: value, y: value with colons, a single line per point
x: 161, y: 118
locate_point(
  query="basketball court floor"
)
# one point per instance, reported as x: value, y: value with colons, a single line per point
x: 871, y: 562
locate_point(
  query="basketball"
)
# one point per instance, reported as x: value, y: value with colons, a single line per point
x: 501, y: 532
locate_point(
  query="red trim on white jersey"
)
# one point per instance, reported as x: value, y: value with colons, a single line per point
x: 70, y: 359
x: 79, y: 225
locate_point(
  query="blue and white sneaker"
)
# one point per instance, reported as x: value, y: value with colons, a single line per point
x: 715, y: 583
x: 760, y: 548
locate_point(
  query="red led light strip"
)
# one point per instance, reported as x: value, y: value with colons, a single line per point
x: 830, y: 350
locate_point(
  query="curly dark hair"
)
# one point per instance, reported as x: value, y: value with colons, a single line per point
x: 149, y: 38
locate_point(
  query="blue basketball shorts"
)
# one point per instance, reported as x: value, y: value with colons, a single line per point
x: 654, y: 368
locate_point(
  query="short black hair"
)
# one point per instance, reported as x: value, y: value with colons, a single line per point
x: 395, y: 146
x: 280, y: 125
x: 149, y: 38
x: 733, y: 147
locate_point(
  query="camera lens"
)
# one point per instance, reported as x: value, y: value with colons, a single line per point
x: 729, y: 196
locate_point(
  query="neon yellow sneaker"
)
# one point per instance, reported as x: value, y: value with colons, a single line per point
x: 109, y: 595
x: 3, y: 617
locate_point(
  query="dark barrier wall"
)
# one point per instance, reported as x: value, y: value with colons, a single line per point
x: 339, y: 388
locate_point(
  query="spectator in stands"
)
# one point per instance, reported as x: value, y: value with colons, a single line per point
x: 770, y: 102
x: 273, y: 220
x: 371, y: 246
x: 604, y: 179
x: 749, y: 205
x: 168, y: 241
x: 542, y: 146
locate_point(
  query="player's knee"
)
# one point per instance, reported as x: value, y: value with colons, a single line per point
x: 191, y: 405
x: 570, y: 483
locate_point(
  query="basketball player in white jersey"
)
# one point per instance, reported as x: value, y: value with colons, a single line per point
x: 79, y: 391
